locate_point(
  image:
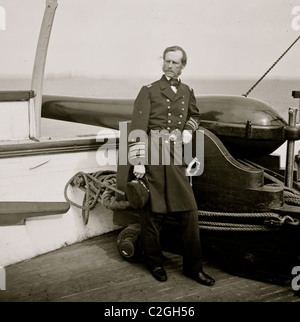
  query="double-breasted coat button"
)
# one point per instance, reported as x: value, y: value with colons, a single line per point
x: 169, y: 121
x: 169, y: 114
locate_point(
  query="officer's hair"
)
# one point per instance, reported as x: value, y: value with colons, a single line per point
x: 174, y: 48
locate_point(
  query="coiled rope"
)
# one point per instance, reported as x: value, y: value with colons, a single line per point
x: 271, y: 220
x: 98, y: 187
x: 101, y: 187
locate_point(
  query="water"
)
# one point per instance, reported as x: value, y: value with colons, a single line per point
x: 276, y: 92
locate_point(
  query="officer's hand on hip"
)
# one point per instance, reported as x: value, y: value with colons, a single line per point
x: 139, y: 170
x: 186, y: 136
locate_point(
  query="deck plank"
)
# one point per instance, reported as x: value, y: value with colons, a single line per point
x: 94, y: 271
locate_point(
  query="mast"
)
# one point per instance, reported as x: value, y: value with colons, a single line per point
x: 39, y: 68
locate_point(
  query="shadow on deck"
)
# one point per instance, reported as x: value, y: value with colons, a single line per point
x: 94, y: 271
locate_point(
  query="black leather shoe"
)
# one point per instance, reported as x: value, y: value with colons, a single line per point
x: 202, y: 278
x: 159, y: 273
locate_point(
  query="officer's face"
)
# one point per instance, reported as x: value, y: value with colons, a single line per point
x: 172, y: 65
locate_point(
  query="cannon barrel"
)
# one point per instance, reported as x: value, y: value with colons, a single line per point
x: 246, y: 126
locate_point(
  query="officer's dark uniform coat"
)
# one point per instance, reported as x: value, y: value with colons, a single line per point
x: 158, y: 107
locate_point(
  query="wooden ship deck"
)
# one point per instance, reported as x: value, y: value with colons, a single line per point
x: 94, y: 271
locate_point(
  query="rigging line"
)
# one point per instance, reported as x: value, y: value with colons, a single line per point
x: 251, y: 89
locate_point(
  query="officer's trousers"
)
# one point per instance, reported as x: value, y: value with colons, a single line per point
x: 151, y: 225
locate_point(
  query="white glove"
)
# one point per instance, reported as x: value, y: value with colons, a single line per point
x: 190, y: 171
x: 186, y: 136
x: 139, y: 171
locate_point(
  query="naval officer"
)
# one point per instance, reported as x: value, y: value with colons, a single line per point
x: 167, y: 106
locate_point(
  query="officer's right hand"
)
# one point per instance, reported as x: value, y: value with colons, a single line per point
x: 139, y: 171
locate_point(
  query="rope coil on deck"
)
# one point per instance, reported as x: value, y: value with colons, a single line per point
x: 272, y: 221
x: 99, y: 186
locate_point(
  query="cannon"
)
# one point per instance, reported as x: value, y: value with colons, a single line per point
x: 248, y: 209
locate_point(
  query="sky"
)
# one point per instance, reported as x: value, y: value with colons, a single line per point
x: 126, y: 38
